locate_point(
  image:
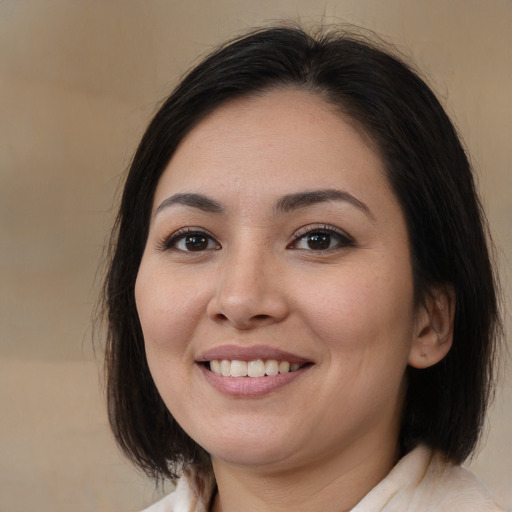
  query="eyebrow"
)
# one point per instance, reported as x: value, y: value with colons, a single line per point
x: 288, y: 203
x: 291, y: 202
x: 198, y: 201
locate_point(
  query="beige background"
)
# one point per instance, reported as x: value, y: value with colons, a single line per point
x: 79, y: 80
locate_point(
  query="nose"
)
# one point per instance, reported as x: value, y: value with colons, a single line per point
x: 248, y: 292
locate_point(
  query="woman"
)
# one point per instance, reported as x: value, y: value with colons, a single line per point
x: 302, y: 310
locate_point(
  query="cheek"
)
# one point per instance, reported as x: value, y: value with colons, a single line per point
x: 167, y: 314
x: 166, y: 310
x: 362, y: 313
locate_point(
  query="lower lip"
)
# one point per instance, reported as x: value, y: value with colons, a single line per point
x: 250, y: 386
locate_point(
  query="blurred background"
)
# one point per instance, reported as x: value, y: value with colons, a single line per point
x: 79, y: 80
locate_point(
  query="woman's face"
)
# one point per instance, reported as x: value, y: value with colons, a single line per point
x: 275, y: 242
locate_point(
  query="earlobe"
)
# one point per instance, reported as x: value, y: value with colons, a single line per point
x: 434, y: 330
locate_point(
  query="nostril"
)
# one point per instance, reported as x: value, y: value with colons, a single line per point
x: 260, y: 317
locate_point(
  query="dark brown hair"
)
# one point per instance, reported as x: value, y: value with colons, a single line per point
x: 430, y: 174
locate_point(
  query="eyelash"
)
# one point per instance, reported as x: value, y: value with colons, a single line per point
x: 171, y: 242
x: 343, y: 240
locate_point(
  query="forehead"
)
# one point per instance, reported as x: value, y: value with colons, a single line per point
x: 271, y: 144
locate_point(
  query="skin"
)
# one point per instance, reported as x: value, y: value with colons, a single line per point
x: 330, y: 434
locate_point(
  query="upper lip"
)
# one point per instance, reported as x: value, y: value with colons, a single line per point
x: 249, y: 353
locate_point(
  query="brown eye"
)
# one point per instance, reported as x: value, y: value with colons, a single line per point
x: 191, y: 241
x: 195, y: 242
x: 321, y: 238
x: 318, y: 241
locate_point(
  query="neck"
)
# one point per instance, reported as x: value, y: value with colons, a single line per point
x: 320, y: 484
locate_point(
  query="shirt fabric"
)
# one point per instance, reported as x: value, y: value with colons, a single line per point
x: 422, y: 481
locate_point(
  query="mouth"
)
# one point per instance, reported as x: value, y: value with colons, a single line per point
x: 255, y: 369
x: 251, y: 371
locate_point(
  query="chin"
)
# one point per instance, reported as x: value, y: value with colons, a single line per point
x: 250, y: 448
x: 250, y: 457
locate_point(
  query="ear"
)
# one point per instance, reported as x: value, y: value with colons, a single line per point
x: 434, y: 328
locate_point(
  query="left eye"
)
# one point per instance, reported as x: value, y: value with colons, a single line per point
x: 321, y: 240
x: 192, y: 242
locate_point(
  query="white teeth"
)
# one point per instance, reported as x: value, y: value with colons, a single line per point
x: 284, y: 367
x: 257, y: 368
x: 271, y: 367
x: 238, y: 369
x: 215, y: 366
x: 225, y: 367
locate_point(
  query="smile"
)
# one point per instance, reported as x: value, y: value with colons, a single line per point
x: 256, y: 368
x: 251, y: 371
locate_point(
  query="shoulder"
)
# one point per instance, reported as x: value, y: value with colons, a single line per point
x: 190, y: 495
x: 166, y: 504
x: 425, y: 481
x: 458, y: 488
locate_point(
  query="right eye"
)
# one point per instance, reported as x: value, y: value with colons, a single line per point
x: 191, y: 240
